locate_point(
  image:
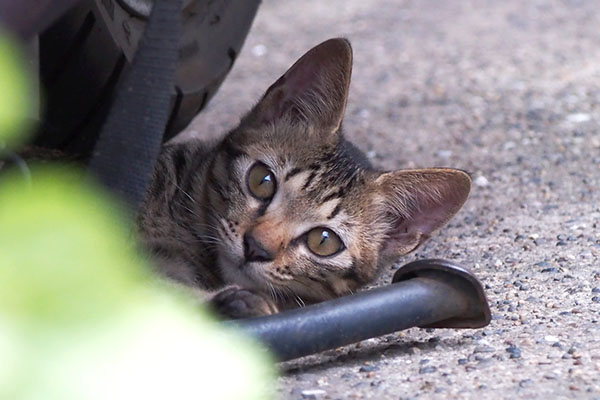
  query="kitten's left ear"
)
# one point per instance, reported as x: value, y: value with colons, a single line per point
x: 415, y: 203
x: 313, y: 90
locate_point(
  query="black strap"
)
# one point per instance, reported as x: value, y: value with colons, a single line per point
x: 130, y: 140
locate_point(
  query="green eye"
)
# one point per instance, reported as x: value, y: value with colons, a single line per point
x: 323, y: 242
x: 261, y: 182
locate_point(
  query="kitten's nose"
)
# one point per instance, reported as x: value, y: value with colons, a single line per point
x: 253, y: 251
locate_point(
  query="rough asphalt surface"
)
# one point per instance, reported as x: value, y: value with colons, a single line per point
x: 509, y: 91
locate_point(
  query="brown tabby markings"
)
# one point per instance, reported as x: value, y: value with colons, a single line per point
x: 200, y: 215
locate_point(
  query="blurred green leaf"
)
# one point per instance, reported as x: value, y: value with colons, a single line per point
x: 60, y: 242
x: 81, y: 316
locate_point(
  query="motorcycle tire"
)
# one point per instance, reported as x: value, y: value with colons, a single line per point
x: 83, y: 55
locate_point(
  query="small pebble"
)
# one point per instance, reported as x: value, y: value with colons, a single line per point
x: 313, y: 393
x: 564, y: 313
x: 576, y: 355
x: 551, y: 269
x: 550, y: 339
x: 514, y: 351
x: 481, y: 181
x: 579, y: 117
x: 368, y: 368
x: 484, y: 349
x: 525, y: 383
x: 427, y: 370
x: 542, y: 264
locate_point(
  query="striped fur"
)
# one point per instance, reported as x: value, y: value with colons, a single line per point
x: 199, y: 207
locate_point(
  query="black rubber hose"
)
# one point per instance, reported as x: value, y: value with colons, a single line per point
x: 415, y: 302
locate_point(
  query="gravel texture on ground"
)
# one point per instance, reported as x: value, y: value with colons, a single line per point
x: 510, y: 92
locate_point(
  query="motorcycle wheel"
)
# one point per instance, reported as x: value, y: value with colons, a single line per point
x: 84, y: 54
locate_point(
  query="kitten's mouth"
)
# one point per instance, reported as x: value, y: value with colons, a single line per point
x: 246, y: 273
x: 250, y: 271
x: 240, y: 271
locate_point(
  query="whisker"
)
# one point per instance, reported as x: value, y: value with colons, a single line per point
x: 278, y: 295
x: 203, y: 225
x: 184, y: 192
x: 190, y: 210
x: 300, y: 302
x: 208, y: 241
x: 289, y: 293
x: 284, y: 297
x: 272, y: 292
x: 208, y: 236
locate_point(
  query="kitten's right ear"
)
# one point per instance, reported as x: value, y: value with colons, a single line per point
x: 313, y: 90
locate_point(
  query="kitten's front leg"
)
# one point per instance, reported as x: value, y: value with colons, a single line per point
x: 235, y: 302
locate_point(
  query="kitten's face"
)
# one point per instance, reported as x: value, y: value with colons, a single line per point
x: 299, y: 215
x: 296, y: 211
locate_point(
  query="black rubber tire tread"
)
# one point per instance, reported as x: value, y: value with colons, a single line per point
x: 82, y: 60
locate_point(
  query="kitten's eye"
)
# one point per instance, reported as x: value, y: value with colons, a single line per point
x: 261, y: 182
x: 323, y: 242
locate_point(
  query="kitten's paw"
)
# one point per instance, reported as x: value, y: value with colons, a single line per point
x: 235, y: 302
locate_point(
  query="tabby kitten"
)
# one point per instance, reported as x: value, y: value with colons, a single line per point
x: 283, y: 209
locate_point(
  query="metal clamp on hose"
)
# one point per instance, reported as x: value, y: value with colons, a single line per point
x: 424, y: 293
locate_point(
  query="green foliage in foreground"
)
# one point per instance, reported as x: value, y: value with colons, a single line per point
x: 81, y: 317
